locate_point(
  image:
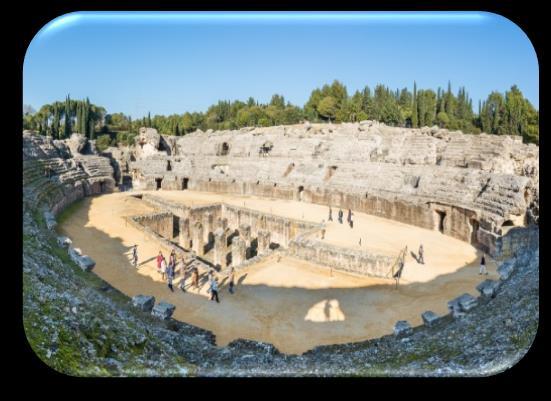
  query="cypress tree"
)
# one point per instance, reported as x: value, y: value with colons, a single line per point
x: 414, y: 113
x: 91, y: 129
x: 67, y: 128
x: 149, y: 119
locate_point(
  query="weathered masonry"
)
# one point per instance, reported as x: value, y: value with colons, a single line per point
x: 471, y: 187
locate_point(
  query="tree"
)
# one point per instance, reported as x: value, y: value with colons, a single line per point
x: 414, y: 108
x: 67, y: 130
x: 442, y: 119
x: 327, y: 107
x: 277, y: 101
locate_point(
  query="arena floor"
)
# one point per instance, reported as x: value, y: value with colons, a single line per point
x: 293, y: 304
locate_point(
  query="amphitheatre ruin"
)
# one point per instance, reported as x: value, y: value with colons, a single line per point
x: 311, y: 293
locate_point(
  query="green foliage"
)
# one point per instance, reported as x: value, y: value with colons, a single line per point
x: 499, y: 114
x: 103, y: 142
x: 327, y: 107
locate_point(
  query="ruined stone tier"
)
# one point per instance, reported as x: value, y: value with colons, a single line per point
x: 471, y: 187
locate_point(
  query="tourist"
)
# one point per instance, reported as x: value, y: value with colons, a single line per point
x: 421, y: 258
x: 351, y: 223
x: 323, y: 229
x: 349, y: 215
x: 170, y: 276
x: 330, y: 214
x: 210, y: 279
x: 195, y: 278
x: 360, y: 241
x: 182, y: 284
x: 135, y: 255
x: 172, y: 258
x: 214, y: 291
x: 159, y: 260
x: 163, y: 267
x: 341, y: 214
x: 483, y: 265
x: 232, y: 280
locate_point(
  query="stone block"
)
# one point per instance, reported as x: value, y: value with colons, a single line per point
x: 144, y: 303
x: 64, y: 241
x: 163, y: 310
x: 461, y: 304
x: 402, y: 328
x: 50, y: 220
x: 488, y: 288
x: 85, y: 262
x: 429, y: 318
x: 506, y: 269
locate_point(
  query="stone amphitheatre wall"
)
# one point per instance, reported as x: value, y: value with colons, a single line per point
x: 483, y: 339
x: 467, y: 186
x: 517, y: 240
x: 55, y: 174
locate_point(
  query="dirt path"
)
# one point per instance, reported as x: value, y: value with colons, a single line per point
x: 293, y: 304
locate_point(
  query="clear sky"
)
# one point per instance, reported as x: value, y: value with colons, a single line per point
x: 176, y: 62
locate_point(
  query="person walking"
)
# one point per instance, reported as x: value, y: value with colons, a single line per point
x: 172, y: 259
x: 421, y: 257
x: 195, y: 278
x: 135, y: 256
x: 170, y: 276
x: 214, y: 291
x: 483, y: 266
x: 163, y: 268
x: 330, y: 214
x: 231, y: 280
x: 341, y: 214
x: 159, y: 260
x: 349, y: 215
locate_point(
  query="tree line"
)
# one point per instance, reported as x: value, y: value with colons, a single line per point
x: 500, y: 114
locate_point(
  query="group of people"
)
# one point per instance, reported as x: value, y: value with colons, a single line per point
x: 168, y: 271
x: 341, y: 216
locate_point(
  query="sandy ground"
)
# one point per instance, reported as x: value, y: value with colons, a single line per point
x: 292, y: 304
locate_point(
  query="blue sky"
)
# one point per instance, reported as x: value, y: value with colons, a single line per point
x: 176, y: 62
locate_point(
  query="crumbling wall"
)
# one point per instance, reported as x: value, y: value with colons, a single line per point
x: 160, y: 223
x: 348, y: 260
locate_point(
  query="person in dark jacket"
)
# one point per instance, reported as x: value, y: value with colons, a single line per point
x: 231, y: 280
x: 214, y: 290
x: 170, y: 275
x: 483, y: 265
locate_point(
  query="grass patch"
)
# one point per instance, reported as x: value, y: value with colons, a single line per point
x: 68, y: 211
